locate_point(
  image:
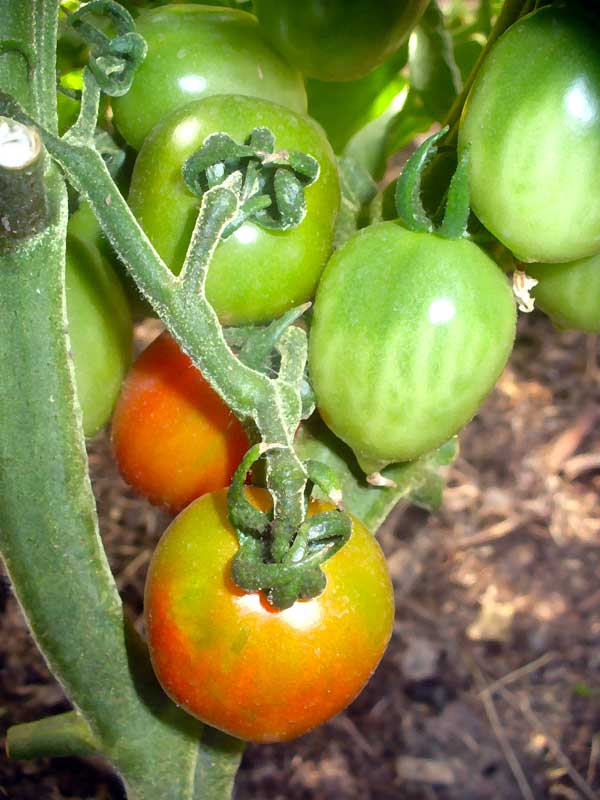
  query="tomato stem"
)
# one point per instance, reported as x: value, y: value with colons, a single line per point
x: 23, y: 201
x: 509, y: 14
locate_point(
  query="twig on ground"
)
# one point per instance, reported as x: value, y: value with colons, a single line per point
x: 594, y: 756
x: 505, y: 745
x: 522, y: 705
x: 566, y: 444
x: 516, y: 674
x: 491, y: 534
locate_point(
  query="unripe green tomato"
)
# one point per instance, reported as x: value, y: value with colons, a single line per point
x: 255, y: 274
x: 410, y: 333
x: 569, y: 293
x: 100, y: 331
x: 199, y: 51
x: 532, y: 121
x: 338, y: 40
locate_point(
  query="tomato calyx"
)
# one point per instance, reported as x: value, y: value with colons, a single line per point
x: 270, y: 183
x: 294, y: 573
x: 113, y: 61
x: 408, y: 202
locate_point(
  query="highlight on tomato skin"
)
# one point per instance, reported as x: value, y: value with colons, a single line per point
x: 239, y: 665
x: 173, y: 437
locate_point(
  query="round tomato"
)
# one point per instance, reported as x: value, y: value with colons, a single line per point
x: 256, y: 274
x: 338, y: 40
x: 238, y: 664
x: 532, y: 121
x: 173, y: 437
x: 410, y: 332
x: 100, y: 331
x: 569, y: 293
x: 198, y: 51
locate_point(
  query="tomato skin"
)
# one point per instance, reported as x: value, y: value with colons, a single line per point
x: 532, y: 120
x: 339, y: 40
x: 569, y: 293
x: 239, y: 665
x: 100, y: 331
x: 198, y: 51
x: 256, y: 274
x: 410, y: 332
x: 173, y: 437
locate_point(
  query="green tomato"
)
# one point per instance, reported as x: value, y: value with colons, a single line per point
x: 569, y: 293
x: 410, y: 333
x: 532, y: 121
x: 338, y: 40
x: 199, y: 51
x: 256, y: 274
x: 100, y: 330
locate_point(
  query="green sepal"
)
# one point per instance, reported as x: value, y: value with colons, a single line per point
x: 326, y: 478
x: 255, y: 345
x: 408, y: 187
x: 113, y: 62
x: 358, y: 189
x: 272, y: 182
x: 246, y: 518
x: 112, y: 155
x: 456, y: 216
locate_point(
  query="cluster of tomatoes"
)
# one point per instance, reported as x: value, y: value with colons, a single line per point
x: 409, y: 333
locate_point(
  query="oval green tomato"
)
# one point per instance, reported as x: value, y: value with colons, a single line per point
x: 338, y: 40
x: 100, y: 331
x: 569, y: 293
x: 256, y: 274
x: 532, y: 121
x: 198, y: 51
x: 410, y: 333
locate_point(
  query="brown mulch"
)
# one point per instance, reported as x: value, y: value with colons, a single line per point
x: 490, y: 687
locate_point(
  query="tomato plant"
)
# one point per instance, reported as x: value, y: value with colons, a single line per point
x: 569, y: 293
x: 257, y: 273
x: 195, y: 52
x: 267, y: 609
x: 237, y: 663
x: 340, y: 40
x: 173, y: 437
x: 410, y: 333
x: 100, y: 329
x: 532, y: 122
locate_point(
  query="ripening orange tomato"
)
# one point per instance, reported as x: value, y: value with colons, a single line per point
x: 232, y: 660
x: 173, y: 437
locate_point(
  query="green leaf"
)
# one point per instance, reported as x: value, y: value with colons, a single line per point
x: 434, y: 74
x: 343, y: 108
x: 419, y: 482
x: 358, y: 189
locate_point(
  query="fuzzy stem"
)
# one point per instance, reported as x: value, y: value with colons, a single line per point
x: 23, y: 202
